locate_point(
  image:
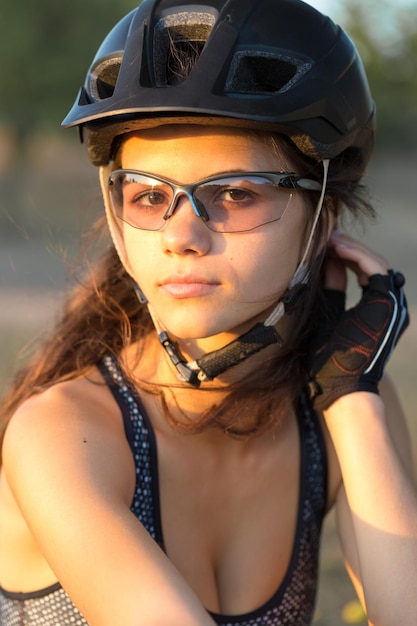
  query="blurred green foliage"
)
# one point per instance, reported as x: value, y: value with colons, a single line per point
x: 46, y: 47
x: 385, y: 33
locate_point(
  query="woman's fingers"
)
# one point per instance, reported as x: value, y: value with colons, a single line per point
x: 354, y: 255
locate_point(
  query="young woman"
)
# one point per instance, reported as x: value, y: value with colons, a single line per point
x: 170, y: 455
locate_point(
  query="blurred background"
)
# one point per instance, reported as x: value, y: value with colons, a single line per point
x: 49, y: 193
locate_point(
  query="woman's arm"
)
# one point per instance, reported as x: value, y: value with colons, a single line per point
x: 71, y: 472
x: 377, y: 503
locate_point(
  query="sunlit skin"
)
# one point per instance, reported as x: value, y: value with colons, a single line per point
x: 203, y: 284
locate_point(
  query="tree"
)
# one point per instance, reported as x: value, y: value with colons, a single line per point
x: 45, y: 48
x: 386, y: 36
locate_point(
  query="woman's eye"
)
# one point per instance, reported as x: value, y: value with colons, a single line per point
x: 152, y: 198
x: 144, y: 199
x: 235, y: 195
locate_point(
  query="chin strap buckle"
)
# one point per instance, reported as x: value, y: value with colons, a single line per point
x: 215, y: 363
x: 185, y: 372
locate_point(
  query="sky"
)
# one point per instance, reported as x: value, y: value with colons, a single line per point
x: 321, y: 5
x: 328, y: 6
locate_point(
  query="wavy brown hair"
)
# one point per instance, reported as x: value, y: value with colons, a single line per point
x: 102, y: 316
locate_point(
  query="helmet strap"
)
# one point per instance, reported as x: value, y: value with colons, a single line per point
x: 212, y: 364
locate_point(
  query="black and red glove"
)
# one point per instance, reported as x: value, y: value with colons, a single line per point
x: 355, y: 345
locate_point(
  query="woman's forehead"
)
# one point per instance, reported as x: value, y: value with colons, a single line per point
x: 189, y: 142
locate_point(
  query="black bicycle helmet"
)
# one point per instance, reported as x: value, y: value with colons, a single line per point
x: 279, y: 65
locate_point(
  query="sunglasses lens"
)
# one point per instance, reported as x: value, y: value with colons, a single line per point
x: 140, y: 200
x: 242, y: 203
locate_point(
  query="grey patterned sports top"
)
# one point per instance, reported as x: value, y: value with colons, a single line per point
x: 293, y: 602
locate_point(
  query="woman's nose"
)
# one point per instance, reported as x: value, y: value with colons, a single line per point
x: 185, y: 231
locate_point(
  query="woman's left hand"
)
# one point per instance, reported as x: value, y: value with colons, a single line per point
x: 353, y: 355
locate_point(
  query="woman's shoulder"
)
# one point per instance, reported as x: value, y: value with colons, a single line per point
x: 70, y: 425
x: 64, y: 404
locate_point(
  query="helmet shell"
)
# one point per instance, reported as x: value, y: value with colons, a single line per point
x: 278, y: 65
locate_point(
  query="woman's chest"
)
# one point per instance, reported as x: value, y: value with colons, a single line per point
x: 240, y: 521
x: 229, y: 519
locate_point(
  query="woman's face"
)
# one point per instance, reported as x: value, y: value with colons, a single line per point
x: 202, y: 283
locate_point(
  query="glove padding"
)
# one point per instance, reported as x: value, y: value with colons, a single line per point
x: 355, y: 345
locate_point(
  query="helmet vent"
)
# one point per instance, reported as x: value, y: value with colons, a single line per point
x: 179, y: 40
x: 263, y: 73
x: 103, y: 77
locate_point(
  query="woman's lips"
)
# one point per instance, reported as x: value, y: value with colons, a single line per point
x: 188, y: 286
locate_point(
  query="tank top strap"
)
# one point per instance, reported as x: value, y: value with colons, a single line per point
x: 141, y: 438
